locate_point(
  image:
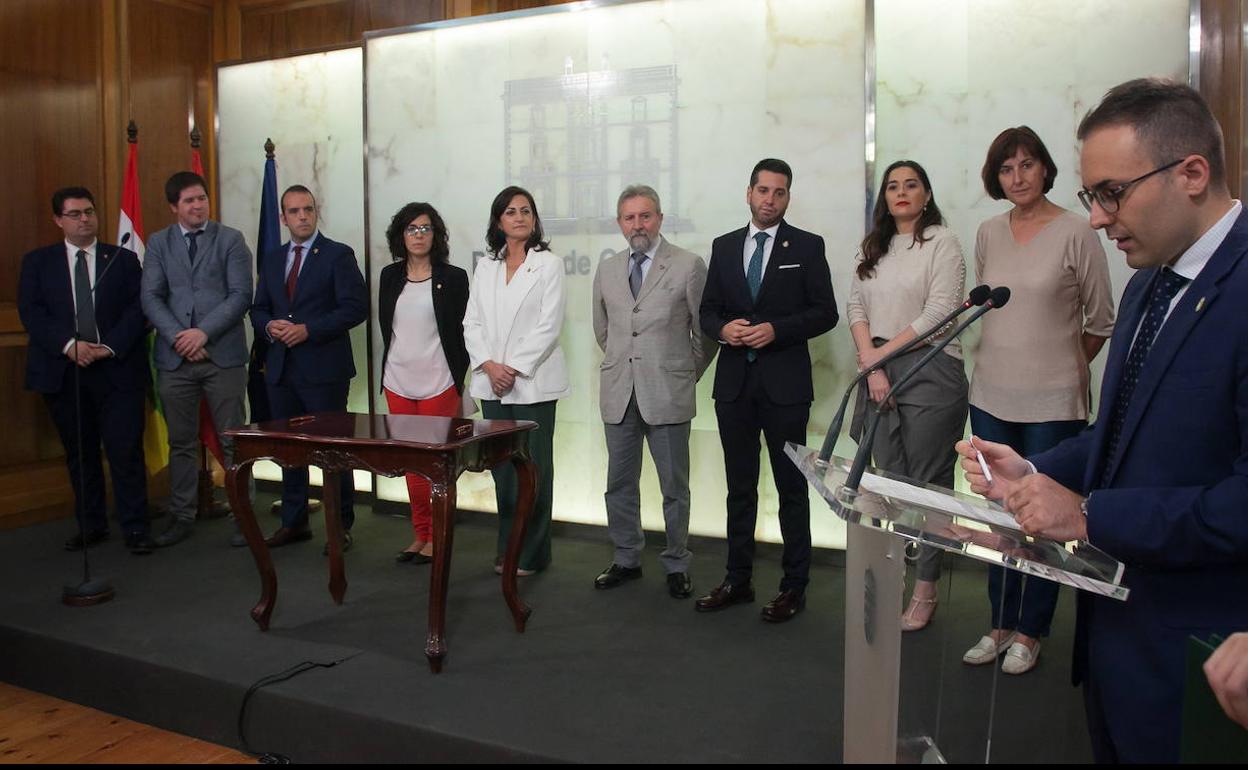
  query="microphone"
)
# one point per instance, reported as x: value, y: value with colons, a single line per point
x: 998, y: 298
x: 92, y: 590
x: 116, y: 250
x: 978, y: 296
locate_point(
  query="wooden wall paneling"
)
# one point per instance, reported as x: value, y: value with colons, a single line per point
x: 50, y: 137
x: 1222, y: 77
x: 170, y: 53
x: 275, y: 29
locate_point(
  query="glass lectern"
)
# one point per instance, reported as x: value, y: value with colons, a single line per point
x: 886, y: 513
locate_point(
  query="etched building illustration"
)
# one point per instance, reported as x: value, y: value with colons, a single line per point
x: 575, y: 140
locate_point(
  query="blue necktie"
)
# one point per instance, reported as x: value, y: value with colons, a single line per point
x: 754, y: 277
x: 1165, y: 287
x: 192, y: 245
x: 634, y: 275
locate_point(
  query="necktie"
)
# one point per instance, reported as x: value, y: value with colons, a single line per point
x: 192, y: 246
x: 754, y: 277
x: 84, y: 305
x: 1165, y: 287
x: 292, y: 278
x: 634, y: 275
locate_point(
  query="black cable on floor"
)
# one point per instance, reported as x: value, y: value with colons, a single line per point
x: 271, y: 758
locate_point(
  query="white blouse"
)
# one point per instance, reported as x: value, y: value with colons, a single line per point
x: 416, y: 367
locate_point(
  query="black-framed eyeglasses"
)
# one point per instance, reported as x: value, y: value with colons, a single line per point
x: 414, y: 230
x: 1109, y: 197
x: 77, y: 214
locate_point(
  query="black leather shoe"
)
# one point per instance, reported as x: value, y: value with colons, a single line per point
x: 92, y: 538
x: 140, y: 544
x: 615, y: 575
x: 177, y: 531
x: 287, y: 535
x: 725, y: 595
x: 784, y: 607
x: 679, y: 585
x: 347, y: 542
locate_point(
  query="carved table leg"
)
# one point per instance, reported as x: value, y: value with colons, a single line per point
x: 236, y: 478
x: 526, y: 473
x: 331, y: 496
x: 443, y: 505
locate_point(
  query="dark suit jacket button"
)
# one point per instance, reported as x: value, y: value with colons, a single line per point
x: 636, y: 310
x: 634, y: 334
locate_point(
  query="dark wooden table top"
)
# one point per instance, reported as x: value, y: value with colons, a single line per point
x: 434, y: 433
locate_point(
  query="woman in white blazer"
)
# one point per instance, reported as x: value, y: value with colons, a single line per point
x: 511, y: 330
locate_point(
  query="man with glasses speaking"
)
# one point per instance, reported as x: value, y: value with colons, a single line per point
x: 1160, y: 482
x: 79, y: 302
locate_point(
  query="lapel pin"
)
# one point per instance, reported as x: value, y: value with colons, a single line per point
x: 1200, y: 305
x: 784, y: 245
x: 438, y: 286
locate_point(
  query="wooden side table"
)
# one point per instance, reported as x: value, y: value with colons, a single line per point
x: 438, y: 448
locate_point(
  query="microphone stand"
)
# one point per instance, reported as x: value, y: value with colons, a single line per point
x: 1000, y: 296
x: 91, y: 590
x: 978, y: 296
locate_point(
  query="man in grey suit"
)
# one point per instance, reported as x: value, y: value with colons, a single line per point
x: 196, y: 287
x: 646, y: 301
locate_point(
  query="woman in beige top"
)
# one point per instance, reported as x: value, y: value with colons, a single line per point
x: 910, y: 275
x: 1030, y: 387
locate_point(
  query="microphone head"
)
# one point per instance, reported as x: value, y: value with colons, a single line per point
x: 999, y: 296
x: 125, y: 238
x: 979, y: 295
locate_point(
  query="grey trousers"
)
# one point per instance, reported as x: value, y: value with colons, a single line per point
x: 669, y: 448
x: 180, y: 392
x: 916, y: 438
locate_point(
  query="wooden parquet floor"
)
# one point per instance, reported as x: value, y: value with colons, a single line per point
x: 37, y: 728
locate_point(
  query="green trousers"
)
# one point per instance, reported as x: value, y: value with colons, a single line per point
x: 535, y: 555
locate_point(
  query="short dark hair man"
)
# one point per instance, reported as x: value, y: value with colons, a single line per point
x: 309, y: 295
x: 1160, y: 482
x: 78, y: 300
x: 768, y: 292
x: 196, y: 288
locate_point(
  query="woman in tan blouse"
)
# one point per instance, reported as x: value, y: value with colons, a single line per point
x: 1030, y: 387
x: 910, y: 274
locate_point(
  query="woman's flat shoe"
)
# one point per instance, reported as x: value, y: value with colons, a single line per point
x: 404, y: 556
x: 1020, y: 658
x: 986, y: 650
x: 420, y: 558
x: 914, y: 620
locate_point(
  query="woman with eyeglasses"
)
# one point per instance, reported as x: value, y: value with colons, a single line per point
x: 911, y: 273
x: 1030, y: 386
x: 515, y: 315
x: 420, y: 307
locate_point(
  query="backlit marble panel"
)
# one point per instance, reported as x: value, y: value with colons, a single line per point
x: 951, y: 76
x: 312, y: 108
x: 685, y: 95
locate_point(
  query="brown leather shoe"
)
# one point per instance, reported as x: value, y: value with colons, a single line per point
x: 725, y: 595
x: 784, y: 607
x: 288, y: 535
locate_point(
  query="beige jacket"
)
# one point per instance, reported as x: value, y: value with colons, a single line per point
x: 653, y: 345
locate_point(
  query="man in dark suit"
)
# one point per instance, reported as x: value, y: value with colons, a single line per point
x: 1160, y: 482
x: 309, y: 295
x: 196, y: 288
x: 768, y: 291
x: 78, y: 300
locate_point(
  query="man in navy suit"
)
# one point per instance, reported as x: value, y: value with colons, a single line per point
x: 1160, y: 482
x: 768, y: 291
x: 79, y: 302
x: 196, y: 288
x: 309, y: 295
